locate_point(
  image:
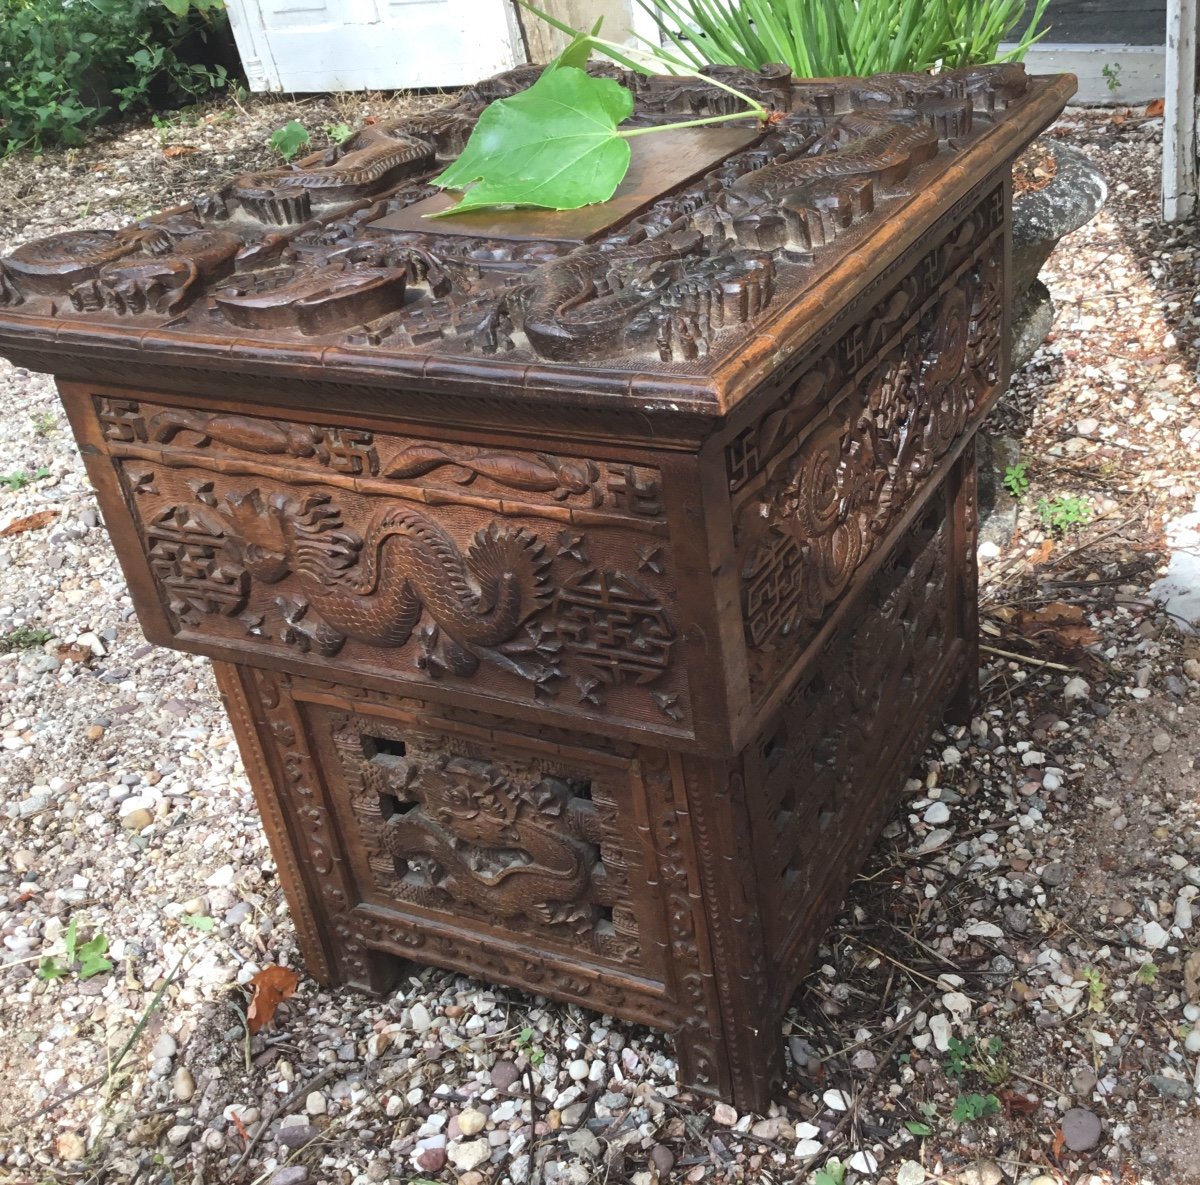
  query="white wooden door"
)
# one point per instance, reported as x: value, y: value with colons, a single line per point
x: 333, y: 45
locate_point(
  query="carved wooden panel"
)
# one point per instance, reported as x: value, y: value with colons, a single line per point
x: 520, y: 573
x: 817, y: 481
x: 560, y: 865
x: 824, y: 769
x: 539, y: 846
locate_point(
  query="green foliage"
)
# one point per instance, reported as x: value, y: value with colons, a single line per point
x: 554, y: 145
x: 84, y: 959
x: 1096, y: 988
x: 339, y: 133
x: 66, y: 67
x: 957, y: 1053
x: 969, y: 1107
x: 1064, y: 513
x: 18, y: 479
x: 558, y: 145
x: 983, y: 1057
x: 290, y: 140
x: 1147, y: 973
x: 834, y: 1173
x: 44, y: 423
x: 537, y: 1055
x: 823, y: 38
x: 918, y: 1129
x: 197, y: 921
x: 23, y: 638
x: 1016, y: 479
x: 1112, y: 76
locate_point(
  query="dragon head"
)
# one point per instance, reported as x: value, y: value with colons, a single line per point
x: 257, y: 534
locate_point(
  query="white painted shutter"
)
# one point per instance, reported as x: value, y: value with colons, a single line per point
x: 330, y: 45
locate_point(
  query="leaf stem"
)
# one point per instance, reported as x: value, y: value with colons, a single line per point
x: 690, y: 123
x: 683, y: 70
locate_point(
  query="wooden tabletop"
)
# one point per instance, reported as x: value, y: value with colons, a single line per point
x: 725, y: 252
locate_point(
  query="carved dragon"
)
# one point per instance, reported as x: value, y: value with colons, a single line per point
x: 375, y: 587
x: 373, y: 159
x: 508, y: 851
x: 152, y: 267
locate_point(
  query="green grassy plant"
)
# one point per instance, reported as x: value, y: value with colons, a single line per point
x: 824, y: 38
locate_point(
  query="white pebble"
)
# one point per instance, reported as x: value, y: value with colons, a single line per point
x: 939, y: 1026
x: 1154, y: 937
x: 836, y: 1100
x: 578, y: 1070
x: 937, y: 812
x: 1076, y: 688
x: 863, y: 1162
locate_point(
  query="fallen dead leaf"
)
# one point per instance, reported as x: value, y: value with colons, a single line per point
x: 1058, y: 624
x: 270, y: 987
x: 180, y: 150
x: 1191, y: 977
x: 241, y: 1127
x: 1155, y: 107
x: 31, y: 522
x: 77, y: 654
x: 1018, y: 1103
x: 1043, y: 553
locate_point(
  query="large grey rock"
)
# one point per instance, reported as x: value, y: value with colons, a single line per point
x: 1041, y: 217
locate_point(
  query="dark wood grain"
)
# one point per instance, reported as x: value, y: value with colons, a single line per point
x: 580, y: 599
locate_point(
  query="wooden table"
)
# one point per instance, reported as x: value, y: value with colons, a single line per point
x: 581, y: 587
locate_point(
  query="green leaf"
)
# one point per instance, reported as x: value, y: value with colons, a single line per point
x: 919, y: 1129
x: 49, y: 970
x: 554, y: 146
x: 290, y: 139
x: 577, y: 53
x: 69, y: 940
x: 197, y: 921
x: 91, y: 957
x: 834, y: 1173
x: 94, y: 965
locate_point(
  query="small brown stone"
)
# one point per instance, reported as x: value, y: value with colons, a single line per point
x: 431, y: 1160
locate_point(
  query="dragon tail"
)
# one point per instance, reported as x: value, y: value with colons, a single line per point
x: 498, y: 557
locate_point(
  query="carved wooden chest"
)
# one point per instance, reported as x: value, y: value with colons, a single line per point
x: 581, y: 586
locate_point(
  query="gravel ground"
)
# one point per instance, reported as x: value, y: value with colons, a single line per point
x: 1012, y: 993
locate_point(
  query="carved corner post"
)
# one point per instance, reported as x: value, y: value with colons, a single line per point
x: 965, y: 483
x: 240, y: 705
x: 752, y: 1050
